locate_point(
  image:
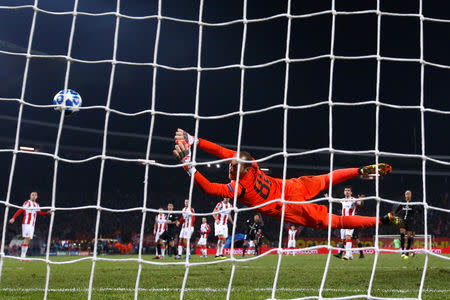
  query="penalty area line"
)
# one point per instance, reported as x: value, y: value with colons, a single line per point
x: 215, y: 290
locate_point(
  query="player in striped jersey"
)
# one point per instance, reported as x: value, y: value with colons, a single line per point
x: 349, y: 205
x: 158, y: 229
x: 30, y: 209
x: 187, y: 227
x: 204, y: 230
x: 292, y: 237
x: 222, y: 216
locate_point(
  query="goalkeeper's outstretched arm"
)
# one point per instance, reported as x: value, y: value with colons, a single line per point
x: 183, y: 153
x: 203, y: 144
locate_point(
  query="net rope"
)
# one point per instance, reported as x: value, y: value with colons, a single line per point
x: 285, y: 153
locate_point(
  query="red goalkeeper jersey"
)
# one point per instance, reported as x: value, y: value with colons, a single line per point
x: 255, y: 187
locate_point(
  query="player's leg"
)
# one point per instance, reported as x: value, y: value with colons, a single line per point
x: 244, y: 246
x: 219, y: 245
x: 256, y: 247
x: 163, y: 248
x: 348, y: 244
x: 313, y: 185
x: 27, y: 234
x: 171, y: 244
x: 410, y: 235
x: 179, y: 245
x: 224, y: 235
x: 402, y: 240
x: 358, y: 242
x: 158, y: 246
x: 25, y: 244
x: 316, y: 216
x: 342, y: 245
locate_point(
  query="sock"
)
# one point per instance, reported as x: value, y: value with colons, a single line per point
x: 256, y: 249
x: 244, y: 248
x: 158, y: 249
x: 402, y: 241
x: 24, y: 250
x: 351, y: 221
x: 360, y: 246
x: 348, y: 246
x: 180, y: 250
x: 342, y: 245
x: 410, y: 242
x: 163, y: 250
x: 219, y: 244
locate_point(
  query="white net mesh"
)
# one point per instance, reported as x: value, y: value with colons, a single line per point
x: 284, y: 153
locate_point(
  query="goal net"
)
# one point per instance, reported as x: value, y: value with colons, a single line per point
x: 307, y: 88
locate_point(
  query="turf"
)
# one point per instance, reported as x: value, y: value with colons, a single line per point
x: 299, y: 276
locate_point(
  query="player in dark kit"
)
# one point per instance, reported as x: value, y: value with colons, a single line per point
x: 251, y: 229
x: 169, y: 234
x: 408, y: 213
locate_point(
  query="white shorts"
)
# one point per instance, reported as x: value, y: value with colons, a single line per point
x: 220, y: 229
x: 345, y: 232
x: 157, y: 236
x: 27, y: 231
x: 251, y: 244
x: 202, y: 241
x: 291, y: 244
x: 186, y: 233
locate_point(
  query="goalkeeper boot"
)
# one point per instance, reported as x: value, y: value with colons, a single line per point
x: 391, y: 219
x: 383, y: 169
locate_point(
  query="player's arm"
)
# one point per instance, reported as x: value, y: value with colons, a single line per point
x: 217, y: 189
x: 230, y: 218
x: 215, y: 216
x: 180, y: 221
x: 44, y: 213
x: 193, y: 217
x: 183, y: 153
x: 18, y: 212
x: 203, y: 144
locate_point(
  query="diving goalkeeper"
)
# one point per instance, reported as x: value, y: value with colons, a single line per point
x: 256, y: 188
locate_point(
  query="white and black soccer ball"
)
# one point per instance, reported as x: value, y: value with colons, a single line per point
x: 67, y: 100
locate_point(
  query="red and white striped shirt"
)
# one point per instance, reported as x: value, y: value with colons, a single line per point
x: 204, y: 230
x: 223, y: 216
x: 348, y: 206
x: 292, y: 234
x: 160, y: 221
x: 186, y: 220
x: 30, y: 209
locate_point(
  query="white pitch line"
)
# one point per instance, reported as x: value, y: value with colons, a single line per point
x: 216, y: 290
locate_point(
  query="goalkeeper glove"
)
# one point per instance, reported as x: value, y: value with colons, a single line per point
x: 190, y: 140
x: 186, y: 157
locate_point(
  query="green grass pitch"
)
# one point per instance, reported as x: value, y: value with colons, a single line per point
x: 299, y: 276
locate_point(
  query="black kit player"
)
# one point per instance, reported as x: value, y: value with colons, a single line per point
x: 251, y: 229
x: 169, y: 234
x: 408, y: 212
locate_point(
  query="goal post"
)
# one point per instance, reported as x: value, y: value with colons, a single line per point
x: 386, y: 242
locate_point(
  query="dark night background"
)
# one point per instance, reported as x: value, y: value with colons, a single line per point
x: 353, y: 126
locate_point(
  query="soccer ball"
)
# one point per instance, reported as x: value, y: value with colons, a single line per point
x: 67, y: 100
